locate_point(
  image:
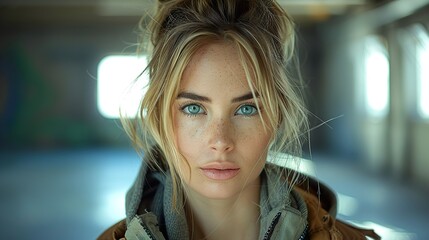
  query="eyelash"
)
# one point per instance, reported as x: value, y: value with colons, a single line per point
x: 248, y: 104
x: 182, y: 108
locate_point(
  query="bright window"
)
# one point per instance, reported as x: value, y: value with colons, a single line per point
x: 422, y: 55
x: 376, y: 77
x: 120, y: 85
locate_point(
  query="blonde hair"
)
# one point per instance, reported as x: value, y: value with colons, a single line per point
x: 264, y: 36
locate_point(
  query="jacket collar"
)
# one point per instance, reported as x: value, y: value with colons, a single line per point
x: 152, y: 191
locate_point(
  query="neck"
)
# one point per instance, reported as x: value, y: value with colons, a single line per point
x: 233, y: 218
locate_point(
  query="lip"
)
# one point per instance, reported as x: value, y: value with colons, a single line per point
x: 220, y: 171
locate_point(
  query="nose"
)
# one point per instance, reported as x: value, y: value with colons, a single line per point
x: 221, y: 136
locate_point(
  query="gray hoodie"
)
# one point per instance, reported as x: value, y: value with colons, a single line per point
x: 150, y: 214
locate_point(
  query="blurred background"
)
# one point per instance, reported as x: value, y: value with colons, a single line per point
x: 65, y: 162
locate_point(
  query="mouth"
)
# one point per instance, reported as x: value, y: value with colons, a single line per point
x: 220, y: 173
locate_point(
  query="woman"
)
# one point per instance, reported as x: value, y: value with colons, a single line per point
x: 219, y: 102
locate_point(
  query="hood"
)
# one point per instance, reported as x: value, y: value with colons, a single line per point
x: 151, y: 192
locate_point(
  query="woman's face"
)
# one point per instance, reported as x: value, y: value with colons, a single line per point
x: 217, y: 125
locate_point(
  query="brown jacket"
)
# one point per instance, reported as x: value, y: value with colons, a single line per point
x: 322, y: 223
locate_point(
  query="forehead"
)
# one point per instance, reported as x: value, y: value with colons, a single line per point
x: 215, y: 66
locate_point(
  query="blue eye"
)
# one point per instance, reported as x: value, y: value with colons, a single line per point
x: 247, y: 110
x: 192, y: 109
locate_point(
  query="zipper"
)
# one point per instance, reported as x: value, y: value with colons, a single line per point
x: 273, y: 224
x: 148, y: 233
x: 304, y: 234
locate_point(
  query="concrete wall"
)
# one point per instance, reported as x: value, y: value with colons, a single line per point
x: 396, y: 144
x: 48, y: 82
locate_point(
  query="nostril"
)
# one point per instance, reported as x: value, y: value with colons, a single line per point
x: 222, y: 145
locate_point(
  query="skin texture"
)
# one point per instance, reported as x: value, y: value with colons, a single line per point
x: 217, y: 127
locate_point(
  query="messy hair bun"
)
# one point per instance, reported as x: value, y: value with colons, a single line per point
x: 221, y: 15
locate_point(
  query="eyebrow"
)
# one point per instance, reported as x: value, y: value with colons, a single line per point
x: 193, y: 96
x: 244, y: 97
x: 197, y: 97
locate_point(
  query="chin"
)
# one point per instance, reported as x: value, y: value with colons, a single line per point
x: 217, y: 191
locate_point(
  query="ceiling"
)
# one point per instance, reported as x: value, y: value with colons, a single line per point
x: 94, y: 12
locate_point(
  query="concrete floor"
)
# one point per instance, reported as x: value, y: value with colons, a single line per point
x: 78, y: 194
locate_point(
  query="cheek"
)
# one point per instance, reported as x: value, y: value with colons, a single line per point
x: 252, y: 132
x: 252, y: 140
x: 188, y: 133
